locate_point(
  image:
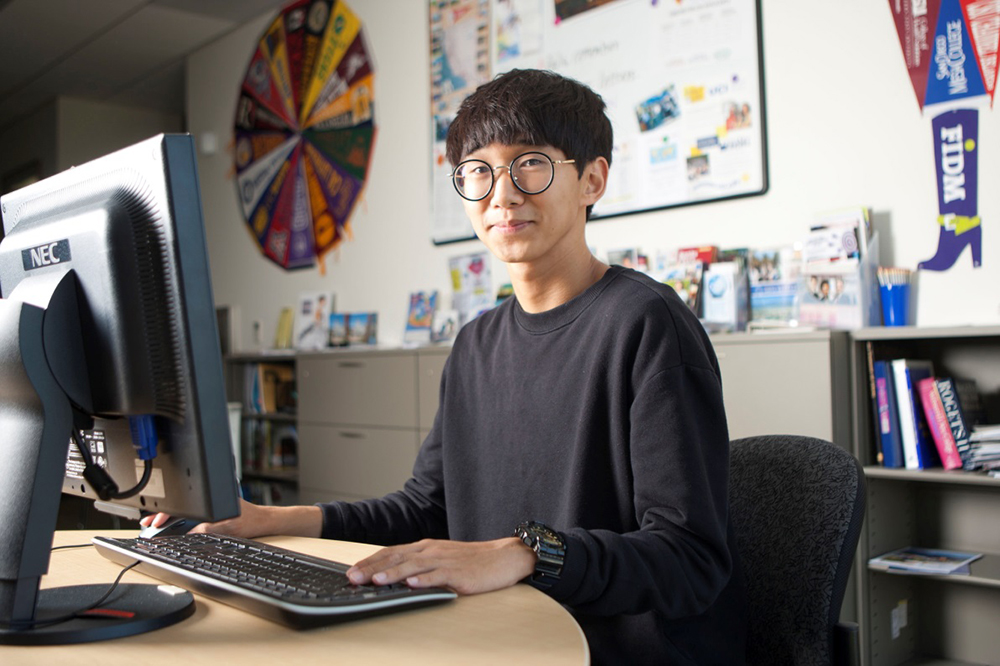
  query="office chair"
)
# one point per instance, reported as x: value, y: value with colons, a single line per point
x: 796, y: 505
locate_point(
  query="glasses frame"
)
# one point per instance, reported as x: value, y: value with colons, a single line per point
x: 509, y: 167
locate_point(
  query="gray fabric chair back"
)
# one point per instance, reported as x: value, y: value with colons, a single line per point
x: 796, y: 505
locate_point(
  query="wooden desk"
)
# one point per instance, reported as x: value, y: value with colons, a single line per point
x: 505, y: 627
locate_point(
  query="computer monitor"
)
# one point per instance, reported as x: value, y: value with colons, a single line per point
x: 107, y: 330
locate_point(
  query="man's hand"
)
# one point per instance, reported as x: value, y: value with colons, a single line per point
x: 466, y: 567
x: 255, y: 521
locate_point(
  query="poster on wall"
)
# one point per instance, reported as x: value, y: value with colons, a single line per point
x: 682, y: 81
x: 460, y: 62
x: 304, y: 131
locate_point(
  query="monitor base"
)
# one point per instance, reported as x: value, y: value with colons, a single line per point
x: 131, y: 609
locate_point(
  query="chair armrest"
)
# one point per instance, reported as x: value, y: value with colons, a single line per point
x: 846, y: 644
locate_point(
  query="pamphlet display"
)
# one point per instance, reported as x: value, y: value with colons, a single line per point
x: 304, y: 131
x: 682, y: 83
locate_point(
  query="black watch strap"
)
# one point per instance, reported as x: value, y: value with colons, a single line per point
x: 549, y: 547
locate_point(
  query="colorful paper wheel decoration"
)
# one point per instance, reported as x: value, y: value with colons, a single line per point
x: 304, y: 131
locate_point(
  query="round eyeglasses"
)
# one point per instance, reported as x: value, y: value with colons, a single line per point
x: 531, y: 172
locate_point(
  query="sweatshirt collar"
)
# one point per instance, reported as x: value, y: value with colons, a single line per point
x: 561, y: 315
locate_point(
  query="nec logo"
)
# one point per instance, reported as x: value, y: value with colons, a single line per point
x: 46, y: 255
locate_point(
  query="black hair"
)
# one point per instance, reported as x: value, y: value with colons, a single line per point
x: 535, y: 107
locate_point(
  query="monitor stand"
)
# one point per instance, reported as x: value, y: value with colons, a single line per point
x: 41, y: 366
x: 131, y: 609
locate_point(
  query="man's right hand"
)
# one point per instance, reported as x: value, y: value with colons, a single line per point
x: 255, y: 520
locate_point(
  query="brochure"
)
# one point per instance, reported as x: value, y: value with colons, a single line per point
x: 913, y: 560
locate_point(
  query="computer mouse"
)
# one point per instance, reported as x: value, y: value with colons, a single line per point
x: 172, y: 527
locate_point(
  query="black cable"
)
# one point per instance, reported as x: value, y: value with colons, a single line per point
x: 101, y: 481
x: 147, y: 472
x: 76, y: 545
x: 78, y: 613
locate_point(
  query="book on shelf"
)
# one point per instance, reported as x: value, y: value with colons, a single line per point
x: 269, y: 493
x: 950, y: 391
x: 939, y: 424
x: 927, y: 561
x: 276, y: 380
x: 270, y: 447
x: 873, y: 398
x: 887, y: 415
x: 985, y: 433
x: 919, y: 451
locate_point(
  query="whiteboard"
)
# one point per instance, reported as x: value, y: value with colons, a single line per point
x: 682, y: 80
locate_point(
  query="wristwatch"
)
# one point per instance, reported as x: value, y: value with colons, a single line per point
x: 550, y: 549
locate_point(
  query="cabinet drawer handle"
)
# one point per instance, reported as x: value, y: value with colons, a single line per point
x: 350, y: 364
x: 352, y: 435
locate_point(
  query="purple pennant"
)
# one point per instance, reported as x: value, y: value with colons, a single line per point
x: 956, y: 150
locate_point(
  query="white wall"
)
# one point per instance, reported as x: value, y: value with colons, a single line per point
x: 87, y: 129
x: 843, y: 124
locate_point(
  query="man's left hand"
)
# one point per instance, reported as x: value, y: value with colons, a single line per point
x: 466, y: 567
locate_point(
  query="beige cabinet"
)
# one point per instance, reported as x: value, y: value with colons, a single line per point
x: 361, y: 419
x: 364, y: 413
x: 786, y: 383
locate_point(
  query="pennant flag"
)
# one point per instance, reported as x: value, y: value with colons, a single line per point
x: 254, y: 180
x: 275, y: 50
x: 956, y: 150
x: 259, y: 85
x: 340, y: 33
x: 954, y: 74
x: 301, y: 251
x: 295, y: 28
x: 354, y: 66
x: 982, y: 19
x: 915, y: 21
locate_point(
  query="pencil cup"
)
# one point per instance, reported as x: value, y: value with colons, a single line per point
x: 895, y: 304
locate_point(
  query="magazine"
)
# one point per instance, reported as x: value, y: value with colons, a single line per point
x: 774, y: 284
x: 915, y: 560
x: 685, y: 278
x: 472, y: 285
x: 420, y: 316
x: 312, y: 321
x: 362, y: 328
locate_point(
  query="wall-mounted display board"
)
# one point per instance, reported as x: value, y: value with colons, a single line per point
x: 682, y: 80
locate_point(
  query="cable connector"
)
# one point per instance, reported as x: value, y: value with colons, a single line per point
x: 144, y: 437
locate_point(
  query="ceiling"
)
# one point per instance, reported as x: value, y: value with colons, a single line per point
x: 128, y: 52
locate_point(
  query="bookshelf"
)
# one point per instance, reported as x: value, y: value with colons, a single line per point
x: 264, y: 384
x: 924, y: 620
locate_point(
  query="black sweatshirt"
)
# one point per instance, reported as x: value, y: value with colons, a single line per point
x: 602, y: 418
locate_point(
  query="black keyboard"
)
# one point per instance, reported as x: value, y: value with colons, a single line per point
x: 298, y: 590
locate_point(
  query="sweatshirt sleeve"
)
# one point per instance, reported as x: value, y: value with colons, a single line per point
x: 413, y: 513
x: 678, y: 561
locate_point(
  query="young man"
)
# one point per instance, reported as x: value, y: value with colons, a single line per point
x: 584, y: 416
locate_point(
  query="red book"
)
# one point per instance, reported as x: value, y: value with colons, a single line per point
x: 937, y: 422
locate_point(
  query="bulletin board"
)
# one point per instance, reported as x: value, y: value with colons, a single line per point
x: 682, y: 79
